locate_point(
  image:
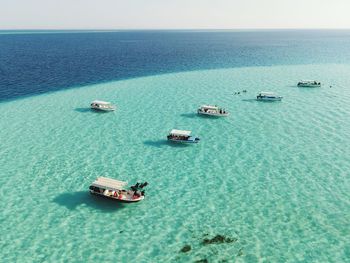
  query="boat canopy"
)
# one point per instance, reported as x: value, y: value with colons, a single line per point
x: 180, y: 132
x: 108, y: 183
x: 209, y: 107
x: 308, y: 81
x: 100, y: 102
x: 267, y: 93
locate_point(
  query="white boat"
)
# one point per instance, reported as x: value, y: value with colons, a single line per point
x: 102, y: 105
x: 182, y: 136
x: 309, y: 83
x: 212, y: 111
x: 268, y: 96
x: 117, y: 190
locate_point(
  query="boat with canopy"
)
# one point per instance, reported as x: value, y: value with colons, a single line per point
x: 309, y: 84
x: 182, y: 136
x: 117, y: 190
x: 268, y: 96
x: 210, y: 110
x: 102, y: 105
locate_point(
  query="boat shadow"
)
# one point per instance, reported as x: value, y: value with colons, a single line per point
x: 260, y: 101
x: 85, y: 110
x: 189, y: 115
x: 196, y: 115
x: 75, y: 199
x: 249, y: 100
x: 164, y: 143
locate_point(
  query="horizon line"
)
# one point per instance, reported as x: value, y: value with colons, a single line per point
x: 171, y: 29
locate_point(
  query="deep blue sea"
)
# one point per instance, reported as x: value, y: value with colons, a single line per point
x: 33, y: 62
x: 268, y: 183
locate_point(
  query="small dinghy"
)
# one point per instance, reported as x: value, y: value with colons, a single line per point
x: 117, y: 190
x: 182, y: 136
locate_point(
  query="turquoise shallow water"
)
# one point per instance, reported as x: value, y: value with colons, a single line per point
x: 274, y: 176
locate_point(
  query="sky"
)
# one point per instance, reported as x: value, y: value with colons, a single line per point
x: 173, y: 14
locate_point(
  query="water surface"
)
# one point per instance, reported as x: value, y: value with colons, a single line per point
x: 38, y: 62
x: 274, y: 177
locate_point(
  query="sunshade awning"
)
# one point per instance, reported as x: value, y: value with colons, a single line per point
x: 180, y: 132
x: 108, y: 183
x: 209, y: 107
x: 101, y: 102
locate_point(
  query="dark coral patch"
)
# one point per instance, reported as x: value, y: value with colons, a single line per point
x: 185, y: 249
x: 218, y: 239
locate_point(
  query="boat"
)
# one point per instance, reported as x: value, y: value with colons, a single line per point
x: 182, y: 136
x: 117, y: 190
x: 102, y: 105
x: 309, y: 83
x: 212, y: 111
x: 268, y: 96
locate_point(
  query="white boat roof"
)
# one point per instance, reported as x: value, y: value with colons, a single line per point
x: 266, y: 93
x: 209, y: 107
x: 101, y: 102
x: 180, y: 132
x: 108, y: 183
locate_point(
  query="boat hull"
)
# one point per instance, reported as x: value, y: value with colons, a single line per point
x: 119, y: 199
x: 269, y: 99
x: 309, y: 86
x: 103, y: 109
x: 195, y: 140
x: 213, y: 114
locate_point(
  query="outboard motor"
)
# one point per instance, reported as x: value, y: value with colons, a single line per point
x: 143, y: 185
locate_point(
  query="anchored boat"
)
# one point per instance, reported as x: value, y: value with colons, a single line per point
x: 117, y: 190
x: 182, y: 136
x: 212, y: 111
x: 309, y: 84
x: 268, y: 96
x: 102, y: 105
